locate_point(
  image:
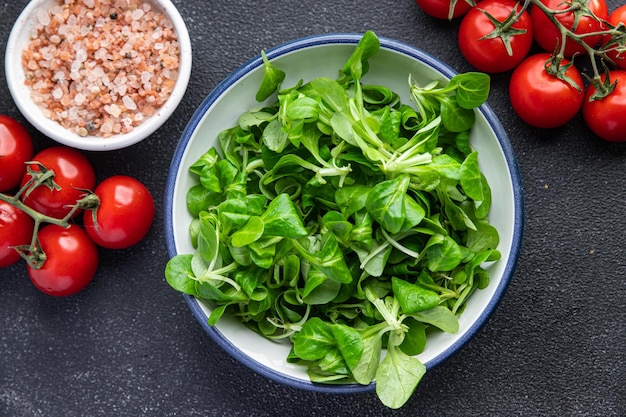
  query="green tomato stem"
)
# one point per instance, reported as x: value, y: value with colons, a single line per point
x: 578, y: 38
x: 34, y: 214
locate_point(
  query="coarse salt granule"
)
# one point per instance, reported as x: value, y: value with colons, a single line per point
x: 43, y: 18
x: 57, y: 93
x: 129, y: 103
x: 79, y: 99
x: 101, y: 67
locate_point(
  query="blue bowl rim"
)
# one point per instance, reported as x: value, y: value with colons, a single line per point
x: 343, y: 38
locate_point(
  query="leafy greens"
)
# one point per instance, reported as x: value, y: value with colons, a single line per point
x: 344, y: 221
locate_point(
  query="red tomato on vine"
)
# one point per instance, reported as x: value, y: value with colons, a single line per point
x: 16, y: 148
x: 125, y: 213
x: 71, y: 260
x: 543, y: 100
x: 615, y: 18
x: 445, y: 9
x: 495, y: 36
x: 606, y: 117
x: 73, y: 174
x: 580, y: 21
x: 16, y: 229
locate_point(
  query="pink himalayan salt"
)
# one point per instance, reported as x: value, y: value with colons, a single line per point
x: 101, y: 67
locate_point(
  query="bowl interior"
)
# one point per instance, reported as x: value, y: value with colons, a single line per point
x: 18, y: 40
x: 323, y: 56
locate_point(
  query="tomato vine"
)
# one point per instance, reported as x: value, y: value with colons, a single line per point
x: 567, y: 30
x: 39, y: 215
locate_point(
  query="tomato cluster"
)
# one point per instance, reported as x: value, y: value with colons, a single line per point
x: 547, y: 89
x: 50, y: 217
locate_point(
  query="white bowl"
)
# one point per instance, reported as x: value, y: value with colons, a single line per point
x: 15, y: 75
x: 309, y: 58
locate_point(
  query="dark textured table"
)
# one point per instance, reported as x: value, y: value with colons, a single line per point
x: 128, y: 345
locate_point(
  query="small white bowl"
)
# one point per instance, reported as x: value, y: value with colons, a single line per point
x: 320, y: 56
x: 21, y: 93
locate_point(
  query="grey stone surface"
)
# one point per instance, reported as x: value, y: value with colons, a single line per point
x: 128, y: 345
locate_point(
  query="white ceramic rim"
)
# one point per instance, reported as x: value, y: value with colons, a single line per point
x: 31, y: 111
x: 344, y: 38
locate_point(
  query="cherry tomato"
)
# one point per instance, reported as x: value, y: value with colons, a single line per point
x: 16, y: 229
x: 71, y: 260
x: 440, y: 9
x: 72, y: 172
x: 540, y: 99
x: 617, y: 16
x: 125, y: 213
x: 16, y: 148
x: 548, y: 35
x: 488, y: 53
x: 606, y: 117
